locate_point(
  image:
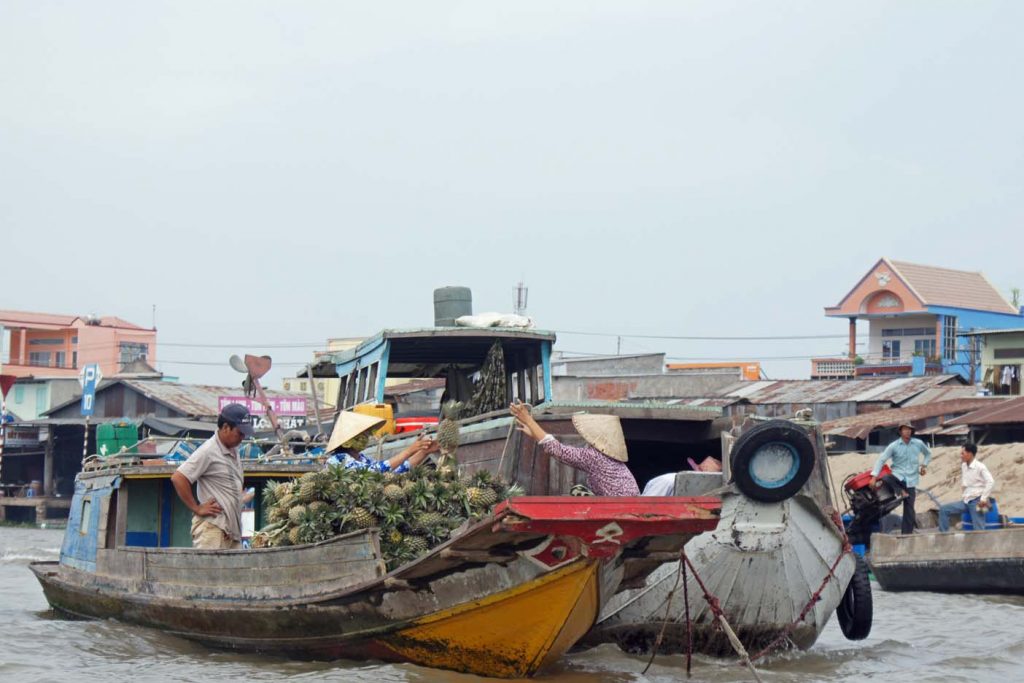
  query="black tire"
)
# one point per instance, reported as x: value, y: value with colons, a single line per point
x: 772, y: 435
x: 855, y: 611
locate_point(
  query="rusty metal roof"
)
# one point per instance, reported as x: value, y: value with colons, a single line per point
x: 189, y: 399
x: 1006, y: 412
x: 894, y: 391
x: 946, y: 392
x: 859, y: 426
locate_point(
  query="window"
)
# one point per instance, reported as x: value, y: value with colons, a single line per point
x: 60, y: 357
x: 949, y: 337
x: 42, y: 399
x: 891, y: 349
x: 133, y: 351
x: 39, y: 358
x: 302, y: 386
x: 74, y: 359
x: 19, y: 393
x: 83, y: 527
x: 924, y: 347
x: 892, y: 333
x: 45, y: 342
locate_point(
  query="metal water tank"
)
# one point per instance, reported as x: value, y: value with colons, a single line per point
x: 451, y: 303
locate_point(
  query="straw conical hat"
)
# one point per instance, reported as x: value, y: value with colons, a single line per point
x: 603, y: 432
x: 350, y: 425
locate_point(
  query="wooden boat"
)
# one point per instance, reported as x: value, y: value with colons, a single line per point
x: 763, y: 563
x: 956, y: 562
x: 505, y: 598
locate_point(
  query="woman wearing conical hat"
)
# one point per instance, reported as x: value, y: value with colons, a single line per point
x: 603, y: 459
x: 350, y: 436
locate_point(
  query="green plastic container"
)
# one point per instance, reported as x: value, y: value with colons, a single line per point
x: 113, y: 436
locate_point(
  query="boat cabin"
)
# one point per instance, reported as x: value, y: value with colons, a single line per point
x: 135, y: 505
x: 456, y: 354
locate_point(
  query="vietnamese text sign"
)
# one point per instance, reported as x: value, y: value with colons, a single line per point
x: 290, y: 405
x: 90, y: 377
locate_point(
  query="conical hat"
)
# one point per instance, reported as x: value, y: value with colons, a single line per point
x: 603, y: 432
x: 350, y: 425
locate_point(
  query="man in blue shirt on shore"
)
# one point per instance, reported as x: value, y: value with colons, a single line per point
x: 906, y: 468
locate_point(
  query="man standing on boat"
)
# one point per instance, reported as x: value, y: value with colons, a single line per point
x: 217, y: 473
x: 976, y: 483
x: 906, y: 469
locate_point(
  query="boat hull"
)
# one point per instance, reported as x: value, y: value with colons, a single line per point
x: 763, y: 563
x: 961, y: 562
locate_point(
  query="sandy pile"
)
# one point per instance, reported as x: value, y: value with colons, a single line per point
x: 1005, y: 461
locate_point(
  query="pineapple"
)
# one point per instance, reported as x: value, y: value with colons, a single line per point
x: 295, y: 535
x: 260, y: 540
x: 317, y: 507
x: 395, y: 537
x: 480, y: 497
x: 417, y: 545
x: 394, y: 492
x: 269, y: 497
x: 448, y: 434
x: 297, y: 514
x: 308, y: 487
x: 281, y: 490
x: 287, y: 501
x: 429, y: 520
x: 361, y: 518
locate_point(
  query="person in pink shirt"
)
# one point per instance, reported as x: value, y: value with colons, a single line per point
x: 603, y: 458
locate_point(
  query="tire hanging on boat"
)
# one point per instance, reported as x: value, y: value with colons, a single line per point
x: 855, y: 611
x: 772, y: 461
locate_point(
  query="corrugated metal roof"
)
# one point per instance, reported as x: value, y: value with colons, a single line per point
x: 943, y: 393
x: 188, y: 399
x: 859, y: 426
x: 883, y: 390
x: 1006, y: 412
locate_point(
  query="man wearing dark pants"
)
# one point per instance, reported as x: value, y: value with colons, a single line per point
x: 906, y: 470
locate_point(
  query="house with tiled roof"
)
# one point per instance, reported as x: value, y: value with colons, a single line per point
x: 916, y: 317
x: 47, y: 345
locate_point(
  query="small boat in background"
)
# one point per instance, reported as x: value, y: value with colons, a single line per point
x: 989, y: 561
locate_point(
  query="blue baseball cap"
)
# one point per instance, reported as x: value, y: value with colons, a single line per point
x: 238, y: 416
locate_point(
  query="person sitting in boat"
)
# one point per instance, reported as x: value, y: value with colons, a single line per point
x: 906, y: 468
x: 665, y: 484
x: 350, y: 436
x: 216, y: 471
x: 976, y: 483
x: 603, y: 459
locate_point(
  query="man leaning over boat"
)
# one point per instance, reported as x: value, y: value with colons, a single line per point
x: 216, y: 471
x: 906, y: 467
x: 976, y: 484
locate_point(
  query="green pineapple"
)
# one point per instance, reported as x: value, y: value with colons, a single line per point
x: 448, y: 435
x: 269, y: 496
x: 394, y: 492
x: 395, y: 537
x: 480, y: 497
x: 295, y: 535
x: 297, y: 514
x: 277, y: 514
x: 287, y: 501
x: 428, y: 520
x: 308, y: 487
x: 361, y: 518
x: 318, y: 507
x: 281, y: 490
x: 417, y: 545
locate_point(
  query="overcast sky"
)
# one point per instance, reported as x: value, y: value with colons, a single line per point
x: 284, y: 172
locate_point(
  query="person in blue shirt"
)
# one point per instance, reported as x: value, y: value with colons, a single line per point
x: 351, y: 435
x: 907, y: 467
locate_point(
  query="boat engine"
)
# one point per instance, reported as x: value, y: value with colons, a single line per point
x: 869, y: 504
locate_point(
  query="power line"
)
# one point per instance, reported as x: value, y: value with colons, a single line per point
x: 708, y: 338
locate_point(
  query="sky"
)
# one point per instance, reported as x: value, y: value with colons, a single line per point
x: 268, y: 174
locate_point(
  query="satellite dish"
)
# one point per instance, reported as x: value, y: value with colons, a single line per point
x: 237, y: 364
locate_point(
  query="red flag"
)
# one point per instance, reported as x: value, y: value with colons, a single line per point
x: 6, y: 382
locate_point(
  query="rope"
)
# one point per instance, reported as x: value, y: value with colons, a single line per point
x: 816, y: 596
x: 689, y: 625
x: 668, y: 614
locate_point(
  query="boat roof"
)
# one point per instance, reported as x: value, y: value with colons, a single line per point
x: 411, y: 350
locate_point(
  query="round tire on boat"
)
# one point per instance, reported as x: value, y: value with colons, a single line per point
x: 855, y: 611
x: 772, y: 461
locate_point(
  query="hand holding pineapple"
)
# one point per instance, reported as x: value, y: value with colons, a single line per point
x: 525, y: 422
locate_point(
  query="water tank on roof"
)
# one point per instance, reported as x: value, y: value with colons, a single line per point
x: 451, y: 303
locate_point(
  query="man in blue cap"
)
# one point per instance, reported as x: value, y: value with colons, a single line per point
x: 216, y: 471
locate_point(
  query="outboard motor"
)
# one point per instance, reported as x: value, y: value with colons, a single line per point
x: 869, y: 504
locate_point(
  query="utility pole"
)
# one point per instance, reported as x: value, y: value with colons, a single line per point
x: 522, y: 295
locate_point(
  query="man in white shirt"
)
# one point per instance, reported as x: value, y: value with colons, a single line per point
x: 976, y: 482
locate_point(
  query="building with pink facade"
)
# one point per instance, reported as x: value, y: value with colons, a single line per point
x: 48, y: 345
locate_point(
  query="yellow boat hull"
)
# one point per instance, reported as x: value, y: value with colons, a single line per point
x: 511, y: 634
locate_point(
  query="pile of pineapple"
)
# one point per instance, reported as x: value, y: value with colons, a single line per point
x: 415, y: 510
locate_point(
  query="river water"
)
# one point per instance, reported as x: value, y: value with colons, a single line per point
x: 916, y: 637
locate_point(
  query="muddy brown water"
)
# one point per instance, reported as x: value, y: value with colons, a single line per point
x: 916, y: 637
